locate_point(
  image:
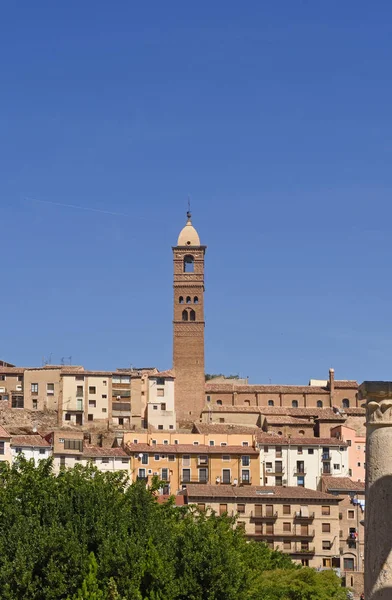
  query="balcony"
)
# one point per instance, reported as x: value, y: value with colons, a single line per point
x: 245, y: 481
x: 275, y: 471
x: 299, y: 472
x: 286, y: 534
x: 121, y: 407
x: 260, y: 517
x: 303, y: 551
x: 194, y: 480
x: 139, y: 478
x: 326, y: 456
x: 300, y: 517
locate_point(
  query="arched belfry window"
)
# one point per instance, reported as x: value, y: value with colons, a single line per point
x: 346, y: 403
x: 270, y: 402
x: 184, y: 315
x: 188, y: 300
x: 294, y: 404
x: 319, y: 404
x: 192, y: 315
x: 181, y: 300
x: 189, y: 264
x: 195, y: 300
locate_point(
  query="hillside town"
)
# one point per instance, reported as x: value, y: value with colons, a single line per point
x: 287, y: 460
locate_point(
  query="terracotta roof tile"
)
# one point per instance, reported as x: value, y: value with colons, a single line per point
x: 97, y: 451
x: 190, y: 449
x: 346, y: 384
x: 4, y: 433
x: 354, y: 412
x: 342, y: 484
x: 168, y: 373
x: 206, y: 428
x: 179, y: 499
x: 272, y: 389
x: 257, y: 493
x: 34, y: 441
x: 287, y: 420
x: 279, y: 440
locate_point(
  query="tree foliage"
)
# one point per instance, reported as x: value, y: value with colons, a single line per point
x: 90, y: 535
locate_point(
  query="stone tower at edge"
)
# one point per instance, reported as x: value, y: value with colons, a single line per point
x: 188, y: 323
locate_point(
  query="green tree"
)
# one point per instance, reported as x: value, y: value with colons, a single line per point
x: 90, y: 589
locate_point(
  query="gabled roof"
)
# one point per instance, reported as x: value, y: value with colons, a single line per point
x: 4, y: 433
x: 254, y: 493
x: 342, y: 484
x: 280, y: 440
x: 287, y: 420
x: 190, y: 449
x: 206, y: 428
x: 97, y: 451
x: 29, y: 441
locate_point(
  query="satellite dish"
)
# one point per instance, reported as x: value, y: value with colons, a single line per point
x: 235, y: 482
x: 140, y: 455
x: 34, y: 429
x: 118, y: 397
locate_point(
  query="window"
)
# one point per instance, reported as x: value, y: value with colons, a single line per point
x: 4, y: 378
x: 195, y: 443
x: 245, y: 476
x: 203, y: 475
x: 266, y: 449
x: 145, y: 459
x: 269, y: 510
x: 299, y: 450
x: 226, y: 476
x: 92, y: 403
x: 105, y: 460
x: 160, y: 381
x: 34, y: 388
x: 121, y: 420
x: 142, y: 473
x: 223, y: 444
x: 286, y: 545
x: 90, y: 417
x: 50, y: 388
x: 301, y: 481
x: 104, y: 410
x: 245, y: 461
x: 17, y: 402
x: 358, y: 464
x: 155, y: 407
x: 195, y: 300
x: 156, y: 456
x: 286, y: 509
x: 246, y: 444
x: 125, y: 461
x: 201, y: 506
x: 42, y: 451
x: 346, y: 403
x: 270, y: 402
x: 189, y: 264
x: 294, y: 404
x: 104, y: 396
x: 310, y: 450
x: 2, y: 447
x: 350, y: 514
x: 208, y: 398
x: 287, y: 526
x: 212, y: 443
x: 135, y: 441
x: 73, y: 445
x: 181, y: 300
x: 62, y: 461
x: 160, y: 392
x: 171, y: 458
x: 327, y: 563
x: 192, y: 315
x: 301, y: 432
x: 186, y: 460
x: 79, y: 377
x: 319, y: 404
x: 186, y: 475
x: 326, y: 527
x: 165, y: 474
x: 348, y: 564
x: 67, y: 416
x: 326, y: 545
x: 92, y: 389
x: 35, y: 403
x: 176, y: 441
x: 188, y: 299
x: 226, y: 458
x: 337, y: 467
x: 240, y: 508
x: 325, y: 510
x: 160, y: 427
x: 79, y: 390
x: 104, y: 383
x: 269, y: 528
x: 278, y: 452
x: 163, y: 405
x: 221, y: 420
x: 219, y: 402
x: 222, y: 509
x: 184, y: 315
x: 171, y: 426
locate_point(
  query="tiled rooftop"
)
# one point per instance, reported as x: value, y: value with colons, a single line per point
x: 344, y: 484
x: 190, y: 449
x: 29, y: 441
x: 257, y: 493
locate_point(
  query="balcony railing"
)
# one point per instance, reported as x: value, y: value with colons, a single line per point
x: 325, y: 456
x: 310, y: 550
x: 299, y: 516
x: 194, y: 480
x: 255, y: 516
x: 275, y: 471
x: 121, y: 407
x: 298, y: 472
x: 285, y: 534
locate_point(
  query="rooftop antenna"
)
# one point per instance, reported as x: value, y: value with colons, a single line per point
x: 189, y: 214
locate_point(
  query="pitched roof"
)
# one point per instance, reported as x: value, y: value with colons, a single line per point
x: 327, y: 414
x: 280, y: 440
x: 354, y: 411
x: 346, y: 384
x: 253, y: 492
x: 168, y: 373
x: 287, y: 420
x: 29, y: 441
x: 179, y: 499
x: 190, y: 449
x: 97, y: 451
x: 206, y: 428
x: 272, y: 389
x: 344, y: 484
x: 4, y: 433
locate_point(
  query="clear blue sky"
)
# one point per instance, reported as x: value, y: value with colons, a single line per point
x: 274, y: 116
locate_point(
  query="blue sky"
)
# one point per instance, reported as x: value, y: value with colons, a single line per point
x: 274, y: 116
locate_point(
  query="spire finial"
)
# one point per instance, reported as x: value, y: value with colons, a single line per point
x: 189, y: 214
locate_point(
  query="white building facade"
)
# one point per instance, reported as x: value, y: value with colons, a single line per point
x: 160, y: 401
x: 31, y: 447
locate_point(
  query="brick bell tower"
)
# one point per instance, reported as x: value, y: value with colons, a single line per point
x: 188, y: 323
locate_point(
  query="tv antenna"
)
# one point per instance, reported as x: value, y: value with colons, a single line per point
x: 66, y: 358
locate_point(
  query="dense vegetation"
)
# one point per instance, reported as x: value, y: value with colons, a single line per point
x: 88, y: 535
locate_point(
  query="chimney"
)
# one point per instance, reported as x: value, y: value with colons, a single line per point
x: 331, y: 384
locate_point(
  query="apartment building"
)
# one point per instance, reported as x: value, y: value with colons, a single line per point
x: 178, y: 464
x: 160, y: 401
x: 5, y: 445
x: 85, y: 398
x: 31, y: 447
x: 41, y: 388
x: 301, y: 522
x: 11, y: 387
x: 300, y: 461
x: 356, y: 450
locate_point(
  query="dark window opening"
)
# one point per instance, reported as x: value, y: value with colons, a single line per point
x: 346, y: 403
x: 189, y: 264
x: 181, y: 300
x: 193, y: 315
x: 195, y: 300
x: 270, y: 402
x: 184, y: 315
x: 319, y: 404
x: 294, y: 404
x: 188, y: 299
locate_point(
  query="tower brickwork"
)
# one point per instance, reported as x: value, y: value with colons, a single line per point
x: 188, y: 323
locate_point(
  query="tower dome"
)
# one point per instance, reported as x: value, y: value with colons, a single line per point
x: 188, y: 235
